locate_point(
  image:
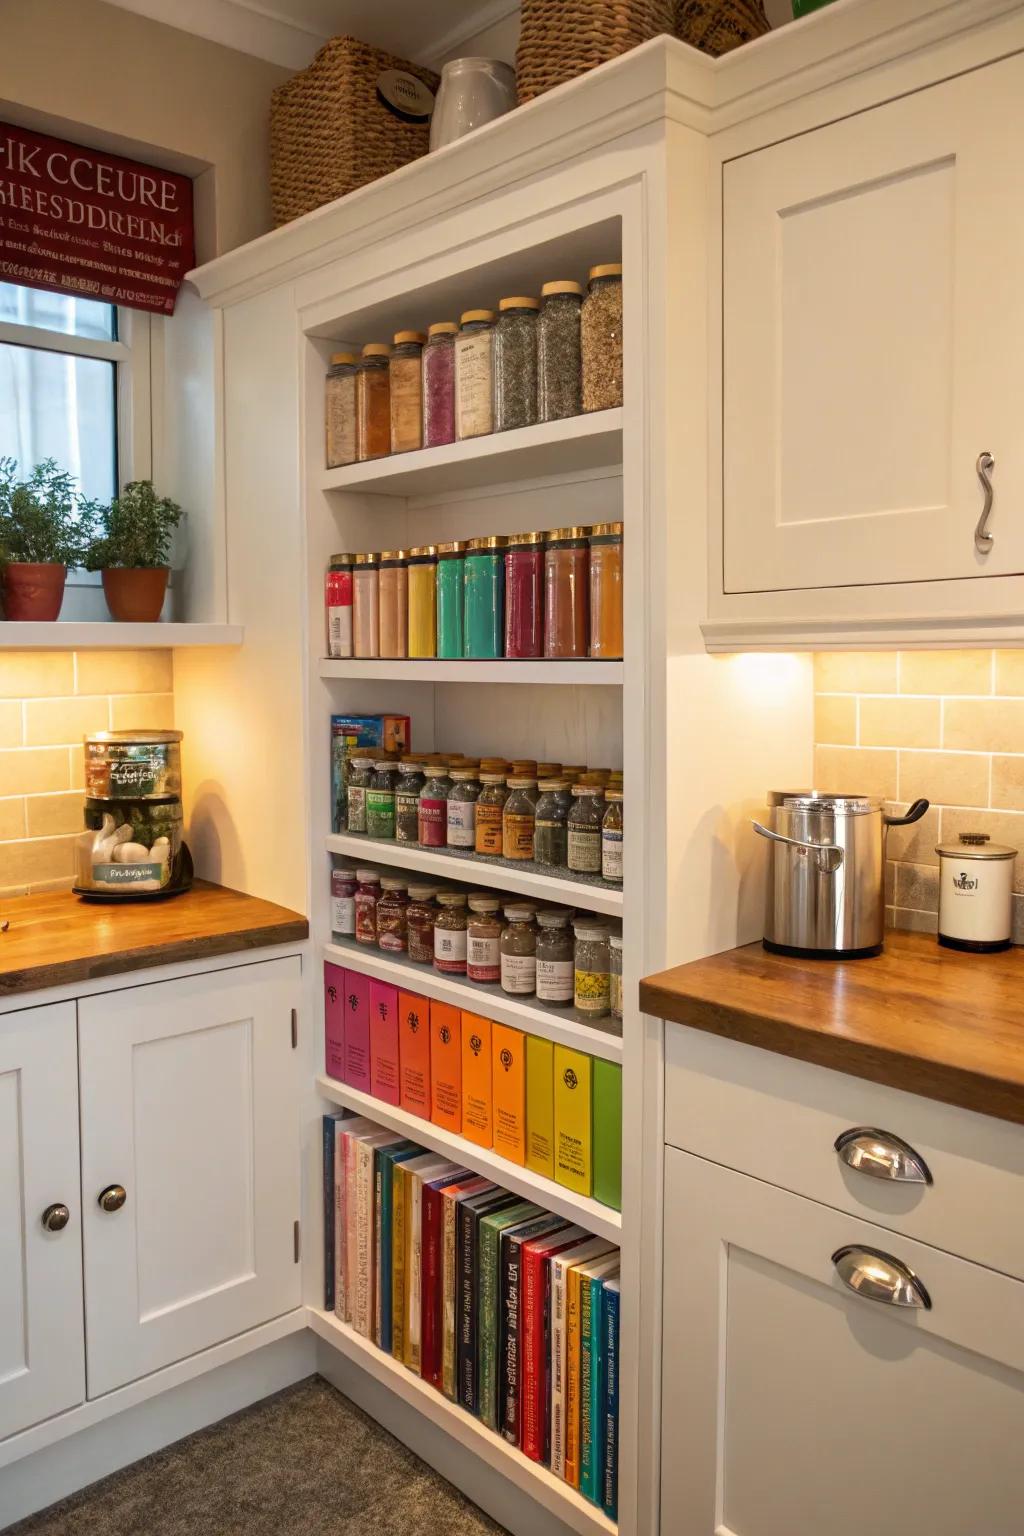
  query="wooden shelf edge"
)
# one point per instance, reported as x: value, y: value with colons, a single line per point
x: 599, y: 1219
x: 535, y: 1480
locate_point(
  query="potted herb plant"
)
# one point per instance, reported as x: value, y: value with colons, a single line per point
x: 45, y: 527
x: 132, y: 551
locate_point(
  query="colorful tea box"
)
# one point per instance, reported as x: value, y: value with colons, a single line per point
x: 446, y: 1066
x: 608, y: 1133
x: 414, y: 1053
x: 476, y: 1079
x: 334, y: 1022
x: 540, y: 1106
x: 384, y: 1071
x: 389, y: 732
x: 357, y: 1030
x: 508, y: 1091
x: 573, y: 1139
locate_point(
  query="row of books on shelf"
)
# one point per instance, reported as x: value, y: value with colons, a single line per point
x: 542, y: 1106
x: 504, y: 1308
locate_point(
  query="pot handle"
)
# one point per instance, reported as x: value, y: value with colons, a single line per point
x: 828, y: 857
x: 915, y: 813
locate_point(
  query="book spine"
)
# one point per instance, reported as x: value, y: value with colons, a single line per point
x: 398, y: 1246
x: 448, y: 1290
x: 351, y: 1223
x: 328, y: 1154
x: 430, y: 1303
x: 610, y: 1491
x: 511, y: 1258
x: 592, y: 1473
x: 465, y: 1313
x: 547, y: 1361
x: 572, y: 1379
x: 340, y: 1218
x: 414, y: 1274
x: 378, y: 1229
x: 586, y: 1454
x: 558, y: 1297
x: 487, y: 1323
x: 362, y: 1308
x: 534, y: 1384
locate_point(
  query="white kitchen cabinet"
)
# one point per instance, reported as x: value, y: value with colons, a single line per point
x: 791, y: 1405
x: 874, y: 344
x: 42, y: 1355
x: 189, y: 1101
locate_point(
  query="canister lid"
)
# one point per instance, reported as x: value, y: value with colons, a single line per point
x: 492, y: 541
x: 442, y: 328
x: 144, y: 738
x: 376, y: 349
x: 343, y: 357
x: 469, y: 315
x: 522, y: 540
x: 554, y: 917
x: 606, y: 531
x: 558, y: 535
x: 817, y: 800
x: 392, y: 554
x: 342, y: 559
x: 562, y: 287
x: 423, y: 551
x: 608, y: 269
x: 976, y: 845
x: 518, y: 302
x: 404, y: 336
x: 367, y: 559
x: 453, y: 547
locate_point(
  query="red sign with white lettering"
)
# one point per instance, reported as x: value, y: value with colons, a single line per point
x: 92, y: 225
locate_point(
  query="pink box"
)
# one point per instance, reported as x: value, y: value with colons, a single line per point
x: 384, y: 1072
x: 357, y: 1030
x: 334, y: 1021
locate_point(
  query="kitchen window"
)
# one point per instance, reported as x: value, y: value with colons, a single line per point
x: 75, y: 387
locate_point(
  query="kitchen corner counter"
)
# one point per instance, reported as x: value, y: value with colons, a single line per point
x: 928, y: 1020
x: 56, y: 938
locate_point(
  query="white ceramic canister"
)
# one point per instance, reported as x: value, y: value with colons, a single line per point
x: 975, y: 893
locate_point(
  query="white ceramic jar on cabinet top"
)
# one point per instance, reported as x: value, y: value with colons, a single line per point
x: 975, y: 893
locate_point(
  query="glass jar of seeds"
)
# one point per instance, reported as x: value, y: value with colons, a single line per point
x: 474, y: 377
x: 373, y: 402
x: 432, y: 827
x: 518, y: 818
x: 439, y: 384
x: 489, y: 808
x: 367, y: 897
x: 483, y: 939
x: 392, y: 915
x: 559, y: 380
x: 420, y: 916
x: 601, y: 338
x: 584, y: 829
x: 551, y: 827
x: 406, y: 391
x: 554, y: 958
x: 515, y: 364
x: 611, y: 835
x: 462, y: 798
x: 380, y: 800
x: 407, y: 796
x: 360, y: 777
x: 519, y: 951
x: 591, y: 968
x: 450, y: 933
x: 340, y: 409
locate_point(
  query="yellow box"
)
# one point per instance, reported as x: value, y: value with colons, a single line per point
x: 508, y: 1048
x: 573, y: 1126
x: 540, y: 1106
x: 477, y: 1119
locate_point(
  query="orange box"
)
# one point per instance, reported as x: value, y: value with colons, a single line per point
x: 414, y: 1053
x: 446, y: 1066
x: 476, y: 1079
x: 508, y: 1048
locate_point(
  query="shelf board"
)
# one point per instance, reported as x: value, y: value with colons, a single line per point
x: 74, y: 636
x: 529, y: 453
x: 535, y: 1480
x: 526, y: 879
x: 609, y: 673
x: 563, y: 1025
x: 597, y: 1218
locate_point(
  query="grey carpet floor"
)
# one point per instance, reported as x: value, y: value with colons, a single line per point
x: 305, y: 1462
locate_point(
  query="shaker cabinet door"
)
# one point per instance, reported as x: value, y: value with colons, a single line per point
x: 793, y: 1406
x: 42, y: 1346
x: 874, y: 344
x: 190, y: 1165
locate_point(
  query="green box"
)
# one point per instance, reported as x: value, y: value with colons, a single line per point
x: 607, y: 1133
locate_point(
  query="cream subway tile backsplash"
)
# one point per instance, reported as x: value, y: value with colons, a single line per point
x: 948, y: 725
x: 48, y: 701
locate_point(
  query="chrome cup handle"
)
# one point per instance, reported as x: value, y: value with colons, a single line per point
x: 877, y: 1276
x: 827, y: 857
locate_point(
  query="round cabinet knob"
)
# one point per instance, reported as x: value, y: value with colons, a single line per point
x: 112, y: 1198
x: 56, y: 1217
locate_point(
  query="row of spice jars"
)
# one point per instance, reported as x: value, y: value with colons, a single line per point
x: 561, y: 957
x: 535, y: 360
x: 558, y: 816
x: 556, y: 594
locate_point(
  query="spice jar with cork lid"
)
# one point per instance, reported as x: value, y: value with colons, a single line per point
x: 606, y: 590
x: 340, y: 409
x: 584, y: 828
x: 462, y: 799
x: 515, y: 364
x: 420, y: 916
x: 490, y: 806
x: 559, y: 379
x: 361, y: 767
x: 611, y: 834
x: 373, y: 402
x: 518, y: 818
x: 439, y: 384
x: 407, y: 800
x: 405, y: 381
x: 366, y: 606
x: 483, y: 939
x: 380, y: 800
x: 392, y: 916
x: 976, y: 893
x: 566, y: 571
x: 554, y: 957
x: 519, y: 951
x: 551, y: 829
x: 601, y: 338
x: 433, y: 807
x: 591, y: 968
x: 366, y: 898
x: 474, y: 379
x: 524, y: 595
x: 393, y: 603
x: 450, y: 933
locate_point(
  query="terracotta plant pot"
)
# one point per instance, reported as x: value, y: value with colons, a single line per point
x: 136, y: 596
x: 33, y: 592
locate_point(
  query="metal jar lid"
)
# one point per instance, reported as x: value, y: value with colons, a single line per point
x: 817, y: 800
x: 976, y: 845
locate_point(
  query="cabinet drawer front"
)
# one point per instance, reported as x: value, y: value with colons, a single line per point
x: 792, y: 1406
x: 779, y: 1120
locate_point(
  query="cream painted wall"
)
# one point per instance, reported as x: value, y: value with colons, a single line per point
x: 90, y: 71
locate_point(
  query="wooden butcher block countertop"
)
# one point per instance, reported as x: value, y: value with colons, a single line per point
x: 929, y: 1020
x: 56, y: 938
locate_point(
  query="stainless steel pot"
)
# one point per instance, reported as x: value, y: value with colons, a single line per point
x: 825, y: 894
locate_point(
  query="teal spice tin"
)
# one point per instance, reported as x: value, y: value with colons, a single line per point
x: 484, y: 607
x: 451, y: 571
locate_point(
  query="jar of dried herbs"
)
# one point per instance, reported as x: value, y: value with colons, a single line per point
x: 392, y: 916
x: 420, y: 916
x: 611, y: 835
x: 584, y: 829
x: 519, y: 951
x: 601, y: 338
x: 490, y: 806
x: 515, y: 364
x: 407, y: 798
x: 474, y: 379
x: 483, y: 939
x: 591, y: 966
x: 360, y: 777
x: 373, y: 403
x: 340, y: 409
x: 462, y: 798
x: 439, y: 384
x: 433, y: 808
x: 554, y: 958
x: 450, y: 933
x: 518, y: 818
x: 559, y: 380
x: 615, y: 974
x: 367, y: 897
x: 551, y: 827
x: 380, y: 800
x: 406, y: 382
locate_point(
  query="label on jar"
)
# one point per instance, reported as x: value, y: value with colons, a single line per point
x: 380, y: 812
x: 339, y: 631
x: 450, y: 950
x: 407, y: 816
x: 488, y: 829
x: 392, y: 939
x: 483, y: 959
x: 519, y: 973
x: 517, y: 836
x: 611, y: 854
x: 591, y: 992
x: 433, y: 822
x: 343, y: 914
x: 357, y: 808
x: 366, y: 919
x: 462, y: 823
x: 615, y: 995
x: 554, y: 981
x: 584, y: 850
x: 474, y: 410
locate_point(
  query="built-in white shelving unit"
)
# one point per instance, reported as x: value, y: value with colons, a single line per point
x: 72, y: 635
x: 574, y: 674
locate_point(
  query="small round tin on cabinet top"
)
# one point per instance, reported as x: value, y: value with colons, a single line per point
x: 975, y: 893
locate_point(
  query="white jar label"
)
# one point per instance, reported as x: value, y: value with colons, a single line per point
x: 965, y: 882
x: 585, y: 851
x: 343, y: 914
x: 554, y: 981
x: 462, y: 823
x: 611, y: 855
x: 339, y: 631
x: 518, y: 973
x: 357, y: 808
x: 450, y: 946
x: 474, y: 398
x: 483, y: 955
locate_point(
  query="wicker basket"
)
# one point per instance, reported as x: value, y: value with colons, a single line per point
x: 331, y: 133
x: 560, y: 39
x: 716, y: 26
